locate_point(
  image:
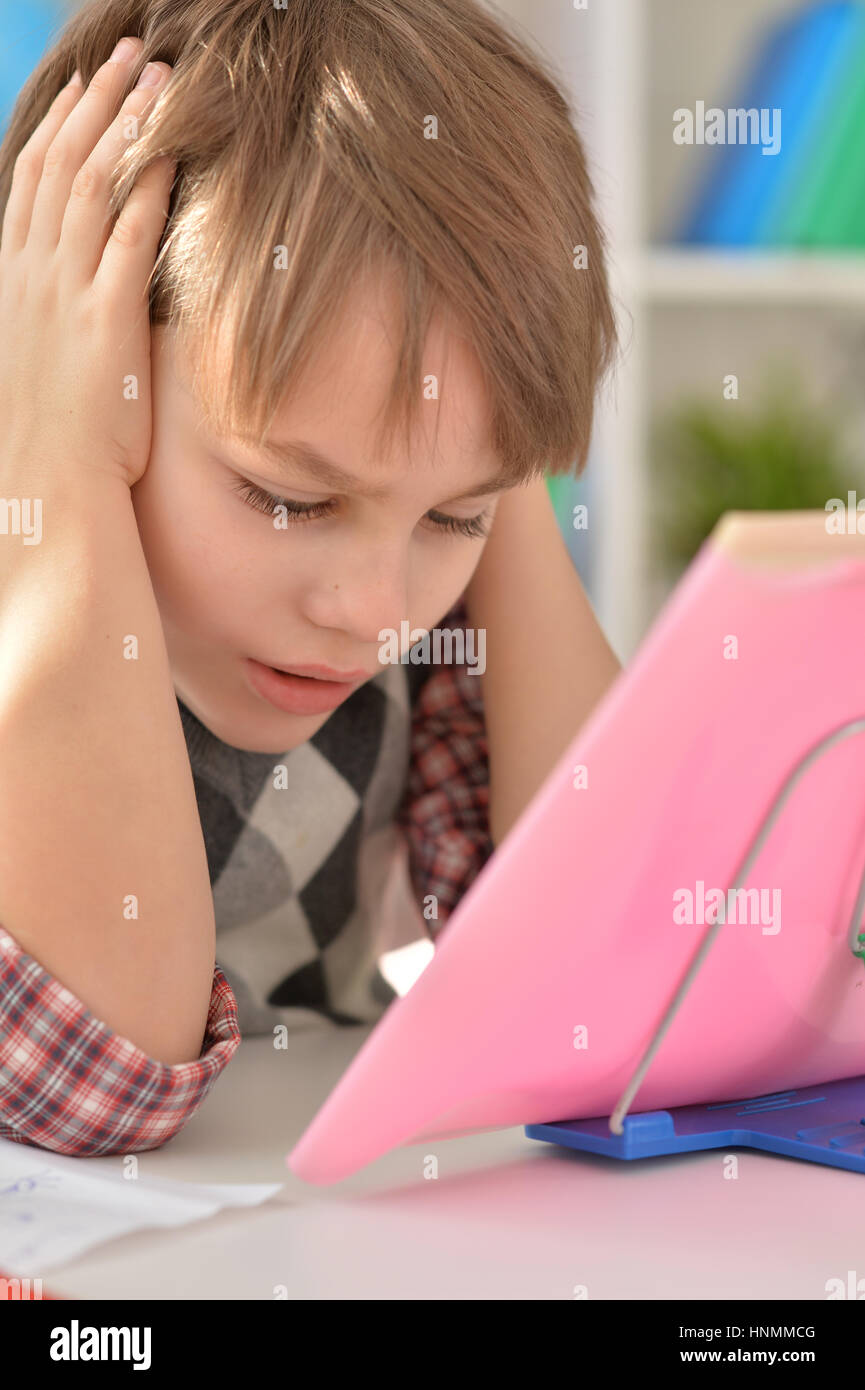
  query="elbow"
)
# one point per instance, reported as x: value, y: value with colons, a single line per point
x: 77, y: 1137
x: 71, y: 1085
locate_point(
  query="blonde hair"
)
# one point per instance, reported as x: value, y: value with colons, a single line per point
x: 307, y: 128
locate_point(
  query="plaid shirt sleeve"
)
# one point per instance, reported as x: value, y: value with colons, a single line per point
x: 445, y: 810
x: 68, y: 1083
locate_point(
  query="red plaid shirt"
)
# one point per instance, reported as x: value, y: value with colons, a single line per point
x: 71, y: 1084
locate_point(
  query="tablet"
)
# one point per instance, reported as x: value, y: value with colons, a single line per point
x: 550, y: 978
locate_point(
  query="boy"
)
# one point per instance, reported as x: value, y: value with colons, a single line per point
x: 362, y: 235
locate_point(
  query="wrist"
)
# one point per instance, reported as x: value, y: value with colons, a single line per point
x: 65, y: 494
x: 64, y: 528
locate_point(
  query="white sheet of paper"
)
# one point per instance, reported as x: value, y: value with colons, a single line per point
x: 53, y: 1208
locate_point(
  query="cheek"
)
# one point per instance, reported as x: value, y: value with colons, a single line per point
x: 198, y: 561
x: 441, y: 578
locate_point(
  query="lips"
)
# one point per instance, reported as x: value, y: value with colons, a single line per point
x: 297, y: 691
x: 323, y: 673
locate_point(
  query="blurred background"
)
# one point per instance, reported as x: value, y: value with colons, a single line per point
x: 726, y: 263
x: 739, y: 276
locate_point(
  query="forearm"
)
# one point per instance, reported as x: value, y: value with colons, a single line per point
x: 103, y: 871
x: 547, y: 660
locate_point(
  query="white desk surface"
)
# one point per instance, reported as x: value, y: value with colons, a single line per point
x: 507, y: 1217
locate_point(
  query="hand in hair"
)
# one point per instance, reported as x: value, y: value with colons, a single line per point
x: 84, y: 666
x: 74, y: 318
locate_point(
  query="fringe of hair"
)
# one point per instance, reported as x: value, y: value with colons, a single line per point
x: 301, y: 137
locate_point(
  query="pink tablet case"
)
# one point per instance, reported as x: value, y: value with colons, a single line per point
x: 552, y: 975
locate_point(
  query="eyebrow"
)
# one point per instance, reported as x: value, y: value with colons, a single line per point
x: 297, y: 453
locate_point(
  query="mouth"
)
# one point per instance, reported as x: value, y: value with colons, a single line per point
x: 302, y: 690
x: 322, y: 673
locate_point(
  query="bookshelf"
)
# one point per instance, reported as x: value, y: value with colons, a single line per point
x: 686, y: 315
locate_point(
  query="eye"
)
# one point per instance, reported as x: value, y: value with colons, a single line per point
x: 266, y: 502
x: 472, y: 527
x: 475, y: 527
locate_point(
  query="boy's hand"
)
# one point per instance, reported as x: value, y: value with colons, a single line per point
x: 74, y: 322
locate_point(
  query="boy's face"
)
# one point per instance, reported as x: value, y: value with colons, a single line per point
x: 231, y: 586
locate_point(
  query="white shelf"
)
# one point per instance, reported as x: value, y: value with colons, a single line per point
x: 682, y: 276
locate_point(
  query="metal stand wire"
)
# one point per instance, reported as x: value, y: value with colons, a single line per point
x: 855, y: 938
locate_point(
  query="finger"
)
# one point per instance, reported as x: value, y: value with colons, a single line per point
x: 72, y: 145
x: 87, y: 220
x: 130, y: 251
x: 28, y: 167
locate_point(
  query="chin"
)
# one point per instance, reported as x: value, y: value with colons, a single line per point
x: 266, y: 732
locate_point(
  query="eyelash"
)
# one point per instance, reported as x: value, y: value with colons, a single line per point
x: 473, y: 527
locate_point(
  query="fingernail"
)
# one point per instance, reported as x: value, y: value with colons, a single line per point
x: 75, y: 79
x: 123, y: 52
x: 151, y: 76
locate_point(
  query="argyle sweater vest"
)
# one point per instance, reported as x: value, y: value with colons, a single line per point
x: 299, y: 846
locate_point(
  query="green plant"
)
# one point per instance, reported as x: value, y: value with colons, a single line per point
x: 784, y: 455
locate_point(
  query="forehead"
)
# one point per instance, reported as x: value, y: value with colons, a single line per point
x: 340, y: 395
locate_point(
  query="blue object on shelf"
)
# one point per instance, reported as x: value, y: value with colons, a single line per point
x: 811, y: 106
x: 823, y: 1124
x: 795, y: 71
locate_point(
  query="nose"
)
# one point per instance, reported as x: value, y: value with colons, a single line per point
x: 363, y: 593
